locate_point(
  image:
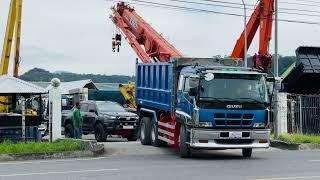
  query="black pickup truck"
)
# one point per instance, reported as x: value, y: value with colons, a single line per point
x: 103, y: 118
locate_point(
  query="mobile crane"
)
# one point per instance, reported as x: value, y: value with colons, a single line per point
x: 13, y: 32
x: 193, y: 103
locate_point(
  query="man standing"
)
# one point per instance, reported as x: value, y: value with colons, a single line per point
x: 77, y: 122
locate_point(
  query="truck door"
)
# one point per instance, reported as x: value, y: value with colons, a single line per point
x: 92, y: 115
x: 84, y: 113
x: 184, y: 103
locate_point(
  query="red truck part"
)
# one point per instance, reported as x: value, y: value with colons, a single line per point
x: 139, y: 33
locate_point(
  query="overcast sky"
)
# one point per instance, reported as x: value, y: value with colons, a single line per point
x: 75, y: 35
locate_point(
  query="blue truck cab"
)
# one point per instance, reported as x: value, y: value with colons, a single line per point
x: 194, y: 103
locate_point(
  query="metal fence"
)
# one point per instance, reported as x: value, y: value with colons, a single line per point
x: 303, y: 114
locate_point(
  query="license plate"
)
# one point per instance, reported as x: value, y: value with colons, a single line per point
x: 235, y: 135
x: 128, y: 127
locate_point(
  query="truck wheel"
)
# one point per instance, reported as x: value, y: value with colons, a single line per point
x: 247, y: 153
x: 145, y: 128
x: 69, y: 131
x: 100, y: 133
x: 154, y: 135
x: 184, y: 149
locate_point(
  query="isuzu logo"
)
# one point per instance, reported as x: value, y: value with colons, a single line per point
x: 234, y: 106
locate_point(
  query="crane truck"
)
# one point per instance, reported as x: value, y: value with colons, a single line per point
x: 197, y: 103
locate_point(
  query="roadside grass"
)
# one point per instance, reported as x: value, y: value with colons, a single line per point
x: 299, y: 138
x: 7, y: 147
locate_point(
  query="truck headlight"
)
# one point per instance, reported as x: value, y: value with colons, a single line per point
x: 205, y: 124
x: 259, y: 125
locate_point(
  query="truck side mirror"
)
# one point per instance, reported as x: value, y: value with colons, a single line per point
x: 193, y: 92
x: 93, y: 111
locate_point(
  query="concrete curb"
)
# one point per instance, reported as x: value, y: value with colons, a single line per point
x: 288, y: 146
x: 89, y: 148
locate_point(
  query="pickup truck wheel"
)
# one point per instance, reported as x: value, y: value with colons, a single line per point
x: 69, y: 131
x: 184, y: 149
x: 154, y: 135
x: 247, y: 153
x: 100, y: 133
x: 145, y: 129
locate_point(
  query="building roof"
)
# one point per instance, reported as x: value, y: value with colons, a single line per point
x: 12, y: 85
x: 68, y: 87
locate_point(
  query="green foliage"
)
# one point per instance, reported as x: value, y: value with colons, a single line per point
x: 8, y: 147
x: 285, y: 62
x: 41, y: 75
x: 300, y: 138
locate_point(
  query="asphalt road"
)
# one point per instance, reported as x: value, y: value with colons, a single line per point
x: 132, y: 161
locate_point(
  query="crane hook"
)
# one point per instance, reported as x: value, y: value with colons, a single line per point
x: 113, y: 45
x: 118, y: 41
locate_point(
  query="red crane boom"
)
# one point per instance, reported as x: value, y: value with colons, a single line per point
x: 139, y: 33
x: 263, y: 17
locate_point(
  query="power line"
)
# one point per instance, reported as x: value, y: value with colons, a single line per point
x: 235, y: 7
x: 317, y: 2
x: 224, y: 13
x: 300, y: 4
x: 211, y: 11
x: 249, y: 5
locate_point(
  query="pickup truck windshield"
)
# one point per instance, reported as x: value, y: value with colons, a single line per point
x: 110, y: 107
x: 238, y: 87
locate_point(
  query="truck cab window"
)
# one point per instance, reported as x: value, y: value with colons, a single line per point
x: 180, y: 85
x: 190, y: 83
x: 92, y: 108
x: 84, y: 107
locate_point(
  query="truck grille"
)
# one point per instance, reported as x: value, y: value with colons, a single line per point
x: 233, y: 120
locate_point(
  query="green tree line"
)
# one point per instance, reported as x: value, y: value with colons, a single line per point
x: 41, y: 75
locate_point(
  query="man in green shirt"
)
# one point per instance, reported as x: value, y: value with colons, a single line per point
x: 77, y: 122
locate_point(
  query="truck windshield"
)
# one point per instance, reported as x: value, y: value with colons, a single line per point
x: 110, y: 107
x: 237, y: 87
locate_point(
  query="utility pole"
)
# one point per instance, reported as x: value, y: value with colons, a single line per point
x: 276, y: 58
x: 245, y: 34
x: 278, y: 125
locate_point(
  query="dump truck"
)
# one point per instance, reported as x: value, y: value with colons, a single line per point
x: 192, y: 104
x: 198, y: 103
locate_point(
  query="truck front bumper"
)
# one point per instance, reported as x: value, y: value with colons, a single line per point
x: 229, y: 139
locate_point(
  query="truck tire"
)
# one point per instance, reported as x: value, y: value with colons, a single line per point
x: 145, y: 131
x: 154, y: 135
x: 184, y: 149
x: 247, y: 153
x: 99, y: 133
x: 69, y: 131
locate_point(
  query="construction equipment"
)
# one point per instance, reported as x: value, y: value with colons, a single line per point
x: 13, y: 34
x: 302, y: 77
x: 193, y: 103
x: 13, y: 28
x: 140, y: 33
x: 128, y: 92
x: 263, y: 17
